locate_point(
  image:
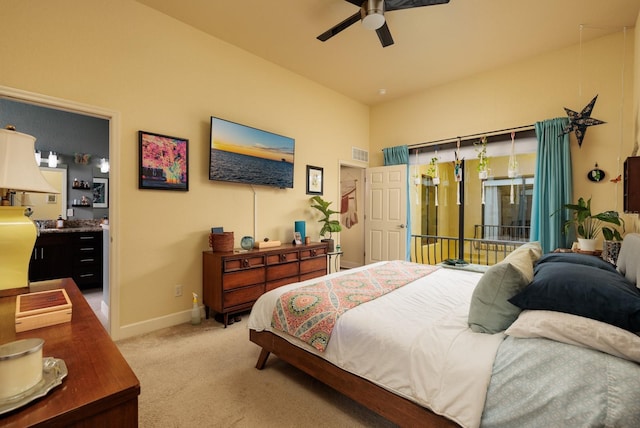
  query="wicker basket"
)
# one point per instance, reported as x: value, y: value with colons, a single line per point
x: 221, y: 241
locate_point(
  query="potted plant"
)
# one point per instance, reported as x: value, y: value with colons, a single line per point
x: 483, y: 160
x: 329, y: 225
x: 588, y: 226
x: 432, y: 171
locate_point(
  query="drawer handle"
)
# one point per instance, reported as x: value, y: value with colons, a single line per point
x: 87, y: 249
x: 283, y: 258
x: 313, y: 252
x: 245, y: 263
x: 87, y: 260
x: 87, y: 237
x: 86, y: 275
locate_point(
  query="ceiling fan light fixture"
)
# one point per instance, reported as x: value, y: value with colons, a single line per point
x: 372, y: 13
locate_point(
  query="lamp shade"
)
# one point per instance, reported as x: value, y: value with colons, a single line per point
x: 18, y: 168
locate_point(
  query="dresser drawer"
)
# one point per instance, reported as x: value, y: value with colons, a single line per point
x: 284, y: 257
x: 285, y: 270
x: 88, y: 275
x: 231, y: 265
x: 87, y: 255
x: 243, y: 278
x: 242, y: 296
x: 315, y: 264
x: 312, y: 275
x: 87, y: 236
x: 280, y: 282
x: 313, y: 252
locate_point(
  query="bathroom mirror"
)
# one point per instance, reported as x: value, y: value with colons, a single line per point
x: 48, y: 206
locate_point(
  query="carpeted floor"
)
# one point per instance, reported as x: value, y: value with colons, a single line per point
x: 205, y: 376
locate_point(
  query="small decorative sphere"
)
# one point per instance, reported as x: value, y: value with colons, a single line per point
x: 246, y: 242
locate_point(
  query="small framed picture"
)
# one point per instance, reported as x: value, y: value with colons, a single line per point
x: 164, y: 162
x: 314, y: 180
x: 297, y: 238
x: 100, y: 192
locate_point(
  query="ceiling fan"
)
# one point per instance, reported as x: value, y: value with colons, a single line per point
x: 371, y: 14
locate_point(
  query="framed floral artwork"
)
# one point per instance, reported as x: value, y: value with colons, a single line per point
x: 314, y: 180
x: 164, y: 162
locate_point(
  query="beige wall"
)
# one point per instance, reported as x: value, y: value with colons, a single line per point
x: 165, y: 77
x: 161, y: 76
x: 527, y: 92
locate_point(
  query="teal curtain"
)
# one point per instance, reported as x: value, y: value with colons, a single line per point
x: 399, y: 155
x: 396, y: 155
x: 553, y: 185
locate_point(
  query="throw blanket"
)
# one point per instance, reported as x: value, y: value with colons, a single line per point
x: 309, y: 313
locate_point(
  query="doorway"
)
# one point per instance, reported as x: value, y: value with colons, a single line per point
x: 351, y: 206
x: 107, y: 307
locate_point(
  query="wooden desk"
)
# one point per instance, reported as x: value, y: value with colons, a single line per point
x: 100, y: 389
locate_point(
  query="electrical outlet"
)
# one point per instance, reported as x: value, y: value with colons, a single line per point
x: 178, y: 291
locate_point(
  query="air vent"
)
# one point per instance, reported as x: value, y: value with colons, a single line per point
x: 359, y: 154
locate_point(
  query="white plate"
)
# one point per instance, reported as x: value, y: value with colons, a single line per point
x: 53, y: 371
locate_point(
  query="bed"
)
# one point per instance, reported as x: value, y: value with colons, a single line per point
x: 537, y: 340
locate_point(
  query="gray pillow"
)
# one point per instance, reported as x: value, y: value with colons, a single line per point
x: 490, y: 311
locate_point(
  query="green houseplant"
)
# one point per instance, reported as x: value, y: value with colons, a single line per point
x: 588, y: 226
x: 329, y: 225
x: 483, y: 160
x: 432, y: 170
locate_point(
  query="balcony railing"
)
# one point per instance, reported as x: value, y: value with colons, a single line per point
x: 501, y: 232
x: 433, y: 249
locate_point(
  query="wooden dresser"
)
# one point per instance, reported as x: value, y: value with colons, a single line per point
x: 100, y: 389
x: 233, y: 281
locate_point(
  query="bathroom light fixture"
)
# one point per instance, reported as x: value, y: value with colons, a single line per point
x: 53, y: 160
x: 104, y: 165
x: 18, y: 173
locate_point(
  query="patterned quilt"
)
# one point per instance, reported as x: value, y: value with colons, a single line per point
x: 309, y: 313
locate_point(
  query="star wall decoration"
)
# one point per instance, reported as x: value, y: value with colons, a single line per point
x: 578, y: 122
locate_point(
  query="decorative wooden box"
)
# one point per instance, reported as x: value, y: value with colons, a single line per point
x: 267, y: 244
x: 42, y: 309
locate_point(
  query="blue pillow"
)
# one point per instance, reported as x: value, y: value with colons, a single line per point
x: 582, y: 290
x: 577, y: 258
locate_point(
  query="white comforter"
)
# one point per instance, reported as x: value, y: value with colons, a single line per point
x: 414, y: 341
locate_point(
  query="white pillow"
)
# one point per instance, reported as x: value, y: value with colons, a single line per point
x: 524, y: 257
x: 628, y: 264
x: 577, y: 330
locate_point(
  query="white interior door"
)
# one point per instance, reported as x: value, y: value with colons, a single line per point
x: 386, y: 213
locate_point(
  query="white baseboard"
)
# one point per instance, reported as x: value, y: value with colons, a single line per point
x: 154, y: 324
x: 104, y: 308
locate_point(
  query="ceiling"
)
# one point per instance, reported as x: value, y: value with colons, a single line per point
x: 433, y: 45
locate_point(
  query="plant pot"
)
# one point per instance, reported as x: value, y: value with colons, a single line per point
x: 436, y: 180
x: 483, y: 175
x: 587, y: 244
x: 330, y: 243
x: 512, y: 173
x: 610, y: 251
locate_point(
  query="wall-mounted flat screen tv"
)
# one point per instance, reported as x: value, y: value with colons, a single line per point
x: 243, y: 154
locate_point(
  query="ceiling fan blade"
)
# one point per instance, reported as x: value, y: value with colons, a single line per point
x: 341, y: 26
x: 384, y: 35
x: 408, y: 4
